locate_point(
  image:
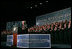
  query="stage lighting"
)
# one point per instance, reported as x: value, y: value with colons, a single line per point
x: 35, y: 5
x: 31, y: 7
x: 15, y: 29
x: 40, y: 3
x: 37, y: 23
x: 46, y: 1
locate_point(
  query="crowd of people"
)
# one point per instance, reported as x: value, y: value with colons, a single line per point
x: 47, y: 28
x: 51, y: 27
x: 6, y: 32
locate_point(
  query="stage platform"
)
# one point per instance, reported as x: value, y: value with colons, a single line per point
x: 3, y: 45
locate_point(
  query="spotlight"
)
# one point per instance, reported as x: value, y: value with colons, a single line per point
x: 40, y: 3
x: 46, y: 1
x: 31, y: 7
x: 14, y: 29
x: 35, y: 5
x: 37, y: 23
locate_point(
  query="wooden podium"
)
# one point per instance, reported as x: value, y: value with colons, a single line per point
x: 15, y: 39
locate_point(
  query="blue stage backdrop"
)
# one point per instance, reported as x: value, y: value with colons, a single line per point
x: 9, y: 40
x: 39, y: 41
x: 23, y: 41
x: 31, y: 40
x: 34, y: 41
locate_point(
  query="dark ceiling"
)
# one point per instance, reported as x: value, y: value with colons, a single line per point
x: 28, y: 10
